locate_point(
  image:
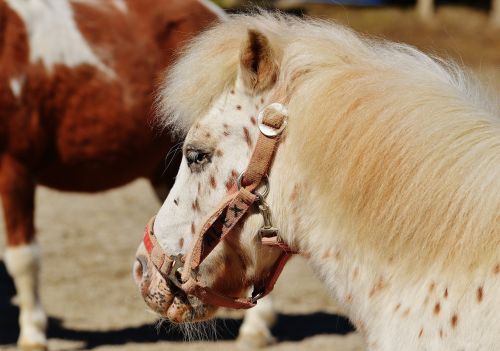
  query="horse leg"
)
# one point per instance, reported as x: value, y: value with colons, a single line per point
x: 22, y: 256
x: 255, y: 331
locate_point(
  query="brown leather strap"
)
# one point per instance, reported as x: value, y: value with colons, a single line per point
x: 157, y: 256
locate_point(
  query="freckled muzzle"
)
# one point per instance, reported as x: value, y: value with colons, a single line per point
x: 163, y: 298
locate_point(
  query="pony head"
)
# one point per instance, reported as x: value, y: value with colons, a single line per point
x: 217, y: 149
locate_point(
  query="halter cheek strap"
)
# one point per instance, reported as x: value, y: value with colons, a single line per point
x: 181, y: 271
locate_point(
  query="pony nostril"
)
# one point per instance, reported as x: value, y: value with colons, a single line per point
x: 140, y: 269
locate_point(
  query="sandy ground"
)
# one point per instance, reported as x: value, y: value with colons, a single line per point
x: 89, y: 241
x: 88, y: 247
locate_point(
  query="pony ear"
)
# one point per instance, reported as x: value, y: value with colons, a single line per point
x: 257, y: 62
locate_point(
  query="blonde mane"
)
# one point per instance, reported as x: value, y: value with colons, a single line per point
x: 405, y: 147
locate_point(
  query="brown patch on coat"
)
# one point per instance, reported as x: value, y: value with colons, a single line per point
x: 348, y: 298
x: 207, y: 135
x: 337, y: 255
x: 253, y: 120
x: 219, y: 153
x: 480, y: 294
x: 397, y: 307
x: 328, y: 254
x: 176, y: 202
x: 454, y: 321
x: 496, y: 269
x: 238, y: 107
x: 445, y: 295
x: 193, y: 228
x: 437, y: 308
x: 232, y: 92
x: 295, y: 193
x: 248, y: 138
x: 355, y: 273
x: 432, y: 286
x: 181, y: 243
x: 406, y: 312
x: 421, y: 332
x: 213, y: 182
x: 441, y: 333
x: 379, y: 285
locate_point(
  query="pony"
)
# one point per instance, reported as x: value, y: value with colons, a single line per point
x: 386, y: 177
x: 76, y: 85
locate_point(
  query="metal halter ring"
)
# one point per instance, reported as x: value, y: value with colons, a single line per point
x: 265, y: 180
x: 268, y: 130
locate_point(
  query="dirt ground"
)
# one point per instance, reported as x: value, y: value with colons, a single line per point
x: 89, y: 241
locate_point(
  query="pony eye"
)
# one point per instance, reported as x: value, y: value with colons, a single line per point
x: 197, y: 159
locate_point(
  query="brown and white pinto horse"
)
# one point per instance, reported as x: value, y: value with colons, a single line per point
x: 76, y: 89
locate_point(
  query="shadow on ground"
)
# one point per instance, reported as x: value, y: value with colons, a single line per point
x: 287, y: 328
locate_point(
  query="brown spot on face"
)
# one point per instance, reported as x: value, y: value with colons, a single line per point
x: 454, y: 321
x: 207, y: 135
x: 181, y: 242
x: 193, y: 228
x: 479, y: 294
x: 232, y: 92
x: 213, y: 182
x: 437, y: 308
x: 238, y: 107
x: 248, y: 139
x: 229, y: 184
x: 195, y: 205
x: 253, y: 120
x: 421, y: 332
x: 445, y: 295
x: 226, y: 129
x: 219, y: 153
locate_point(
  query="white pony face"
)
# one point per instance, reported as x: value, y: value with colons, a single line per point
x: 216, y: 150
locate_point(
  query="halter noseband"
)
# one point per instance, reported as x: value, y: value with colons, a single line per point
x: 181, y: 270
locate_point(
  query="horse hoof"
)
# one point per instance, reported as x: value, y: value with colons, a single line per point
x: 32, y: 347
x: 255, y: 341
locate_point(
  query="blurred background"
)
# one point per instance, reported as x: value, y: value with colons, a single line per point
x: 91, y: 300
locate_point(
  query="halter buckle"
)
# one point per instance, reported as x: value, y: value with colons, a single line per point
x: 268, y: 130
x: 175, y: 272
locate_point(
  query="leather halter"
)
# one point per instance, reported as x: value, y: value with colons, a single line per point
x: 182, y: 270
